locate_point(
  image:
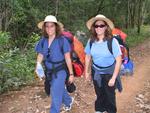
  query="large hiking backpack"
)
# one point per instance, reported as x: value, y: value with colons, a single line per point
x: 76, y: 45
x: 77, y: 53
x: 127, y: 67
x: 119, y: 32
x: 123, y: 46
x: 121, y: 38
x: 79, y: 49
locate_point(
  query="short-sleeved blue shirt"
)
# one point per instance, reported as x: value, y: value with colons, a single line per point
x: 100, y: 53
x: 55, y: 52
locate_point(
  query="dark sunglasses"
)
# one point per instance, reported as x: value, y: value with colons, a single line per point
x: 101, y: 26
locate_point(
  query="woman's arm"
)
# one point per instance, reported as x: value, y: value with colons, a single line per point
x: 39, y: 69
x: 39, y: 58
x: 69, y: 65
x: 87, y: 66
x: 116, y: 71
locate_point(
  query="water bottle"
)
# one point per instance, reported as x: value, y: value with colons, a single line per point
x: 40, y: 71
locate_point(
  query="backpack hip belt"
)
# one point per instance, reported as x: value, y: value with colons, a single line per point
x: 54, y: 69
x: 100, y: 67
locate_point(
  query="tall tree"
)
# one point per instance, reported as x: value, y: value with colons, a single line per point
x: 57, y: 6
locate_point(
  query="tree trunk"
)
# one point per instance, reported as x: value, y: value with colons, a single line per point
x: 57, y: 6
x: 133, y: 13
x: 0, y: 23
x: 145, y: 2
x: 128, y: 15
x: 139, y: 15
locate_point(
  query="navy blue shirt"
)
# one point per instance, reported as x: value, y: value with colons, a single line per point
x: 55, y: 52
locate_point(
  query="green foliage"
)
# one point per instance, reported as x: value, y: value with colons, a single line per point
x: 134, y: 38
x: 20, y: 17
x: 4, y: 39
x: 17, y: 67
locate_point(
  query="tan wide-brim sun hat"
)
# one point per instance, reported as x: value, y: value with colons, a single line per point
x: 49, y: 18
x: 99, y: 17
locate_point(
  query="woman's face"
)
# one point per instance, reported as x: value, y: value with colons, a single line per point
x: 50, y: 28
x: 100, y: 27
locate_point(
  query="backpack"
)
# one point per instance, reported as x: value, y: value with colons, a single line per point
x: 76, y: 45
x: 119, y: 32
x: 79, y: 49
x: 123, y: 46
x: 77, y: 53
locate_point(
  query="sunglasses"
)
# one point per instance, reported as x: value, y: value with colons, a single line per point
x: 101, y: 26
x: 48, y: 55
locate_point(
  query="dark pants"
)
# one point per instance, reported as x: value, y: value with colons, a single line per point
x: 106, y: 100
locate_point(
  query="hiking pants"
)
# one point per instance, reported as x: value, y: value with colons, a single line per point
x: 106, y: 100
x: 59, y: 93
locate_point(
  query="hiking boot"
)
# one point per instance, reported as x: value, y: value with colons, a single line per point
x: 68, y: 108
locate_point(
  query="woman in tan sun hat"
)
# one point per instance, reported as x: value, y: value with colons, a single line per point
x: 105, y: 63
x: 56, y: 59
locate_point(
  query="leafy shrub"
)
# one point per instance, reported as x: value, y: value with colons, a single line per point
x: 17, y: 66
x: 4, y: 40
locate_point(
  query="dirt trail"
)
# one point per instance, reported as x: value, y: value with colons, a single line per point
x: 132, y: 86
x: 32, y: 99
x: 135, y: 84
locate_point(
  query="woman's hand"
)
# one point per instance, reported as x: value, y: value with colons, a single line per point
x: 71, y: 78
x: 111, y: 82
x: 116, y: 71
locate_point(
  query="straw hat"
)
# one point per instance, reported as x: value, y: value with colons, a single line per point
x: 49, y: 18
x: 99, y: 17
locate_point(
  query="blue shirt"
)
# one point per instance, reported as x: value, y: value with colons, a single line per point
x: 53, y: 53
x: 100, y: 53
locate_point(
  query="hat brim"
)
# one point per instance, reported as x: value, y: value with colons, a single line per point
x: 40, y: 24
x: 92, y: 20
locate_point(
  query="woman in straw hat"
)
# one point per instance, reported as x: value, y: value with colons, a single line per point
x: 55, y: 61
x: 105, y: 66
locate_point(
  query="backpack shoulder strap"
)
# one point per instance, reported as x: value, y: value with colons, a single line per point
x: 119, y: 39
x: 91, y: 42
x: 109, y: 44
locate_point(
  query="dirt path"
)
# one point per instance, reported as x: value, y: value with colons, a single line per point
x: 132, y: 86
x: 32, y: 99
